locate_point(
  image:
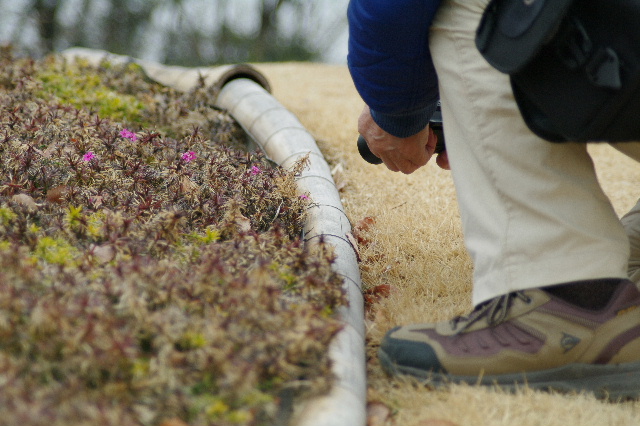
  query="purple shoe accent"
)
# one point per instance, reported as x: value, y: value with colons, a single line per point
x: 616, y: 344
x: 489, y: 341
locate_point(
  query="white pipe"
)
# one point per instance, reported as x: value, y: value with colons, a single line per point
x: 285, y: 140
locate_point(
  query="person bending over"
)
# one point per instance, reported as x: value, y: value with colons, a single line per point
x: 554, y: 305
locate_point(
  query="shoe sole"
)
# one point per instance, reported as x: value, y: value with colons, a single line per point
x: 608, y: 381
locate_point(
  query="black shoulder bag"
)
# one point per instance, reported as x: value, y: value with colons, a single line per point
x: 574, y: 65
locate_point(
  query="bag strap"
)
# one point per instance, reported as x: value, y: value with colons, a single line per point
x: 487, y: 26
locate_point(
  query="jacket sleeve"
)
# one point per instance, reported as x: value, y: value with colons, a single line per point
x: 390, y: 63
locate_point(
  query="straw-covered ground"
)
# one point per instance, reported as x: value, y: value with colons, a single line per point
x: 413, y: 248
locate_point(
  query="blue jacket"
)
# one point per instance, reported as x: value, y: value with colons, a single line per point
x: 390, y: 63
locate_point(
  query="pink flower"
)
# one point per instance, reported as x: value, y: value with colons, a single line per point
x: 188, y: 156
x: 126, y: 133
x: 304, y: 197
x: 255, y: 170
x: 88, y: 156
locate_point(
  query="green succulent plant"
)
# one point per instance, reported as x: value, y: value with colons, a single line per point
x: 149, y: 270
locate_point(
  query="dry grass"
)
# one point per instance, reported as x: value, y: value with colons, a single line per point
x: 416, y: 248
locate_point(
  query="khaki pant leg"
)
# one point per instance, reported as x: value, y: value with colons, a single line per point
x: 533, y: 212
x: 631, y: 221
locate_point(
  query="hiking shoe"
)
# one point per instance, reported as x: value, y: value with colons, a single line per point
x: 528, y: 337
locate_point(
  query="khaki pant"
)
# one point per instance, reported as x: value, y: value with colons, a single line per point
x: 533, y: 212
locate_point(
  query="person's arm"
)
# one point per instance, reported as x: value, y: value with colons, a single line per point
x: 390, y: 63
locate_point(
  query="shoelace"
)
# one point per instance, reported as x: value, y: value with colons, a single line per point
x: 494, y: 310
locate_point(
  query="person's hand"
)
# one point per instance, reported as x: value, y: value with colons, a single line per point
x: 404, y: 155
